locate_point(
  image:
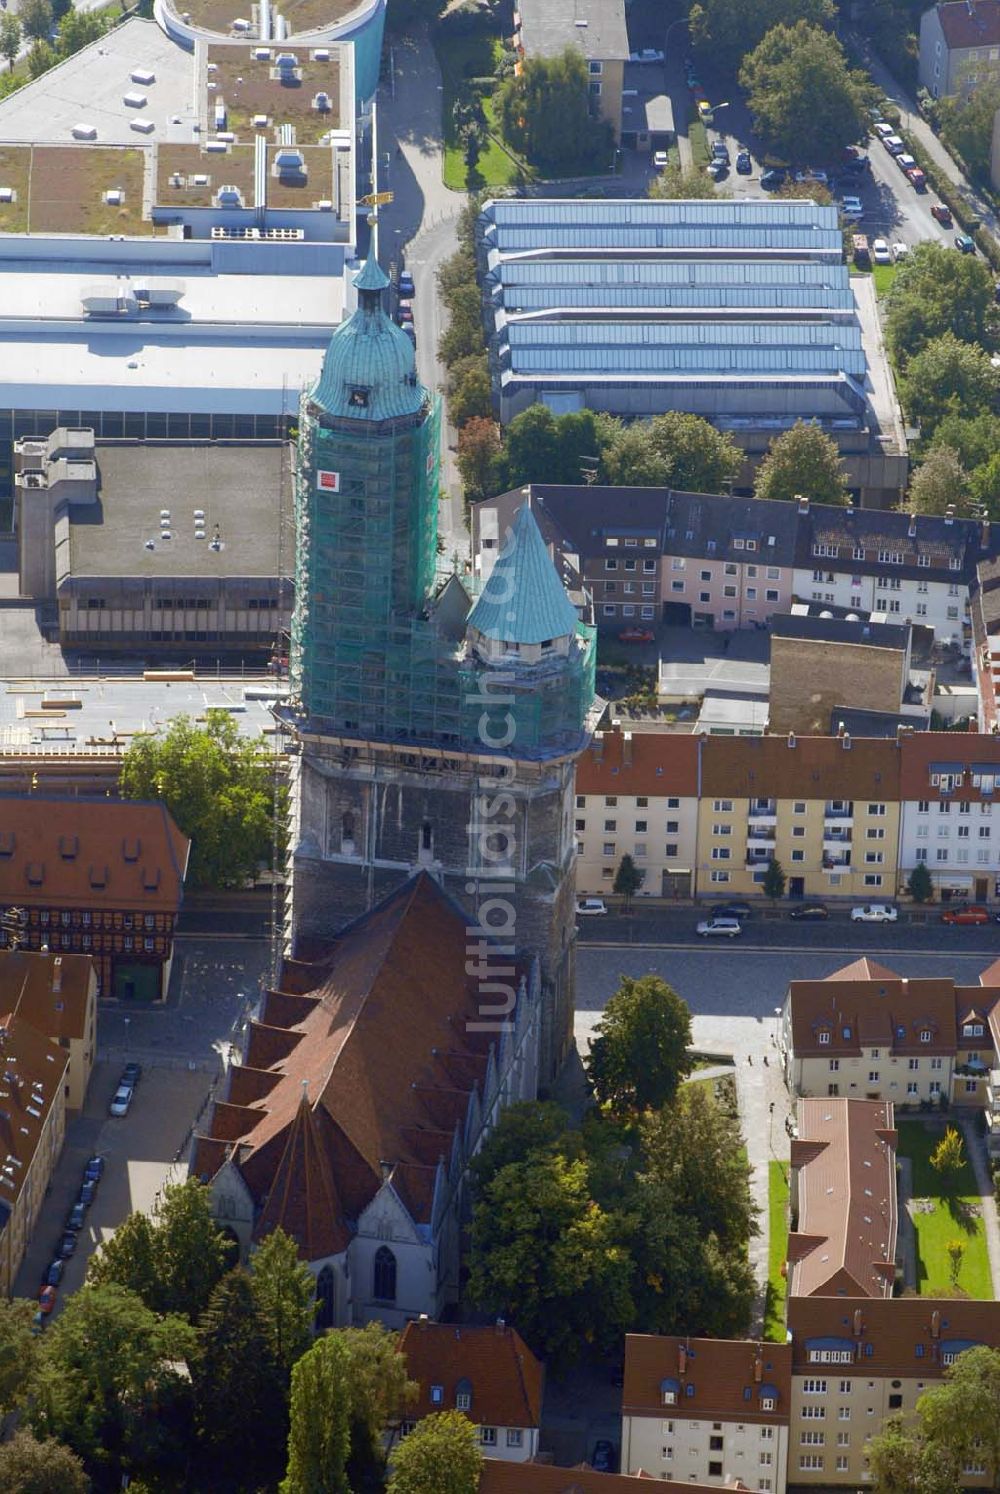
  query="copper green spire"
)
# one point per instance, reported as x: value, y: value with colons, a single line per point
x: 369, y: 371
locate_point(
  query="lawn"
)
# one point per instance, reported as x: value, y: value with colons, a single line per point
x: 777, y: 1248
x: 467, y: 66
x: 883, y: 276
x: 950, y: 1219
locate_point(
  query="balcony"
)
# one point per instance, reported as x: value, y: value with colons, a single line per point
x: 761, y: 838
x: 763, y: 812
x: 836, y: 863
x: 834, y: 839
x: 838, y: 814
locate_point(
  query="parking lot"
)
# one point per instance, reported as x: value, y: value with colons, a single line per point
x: 138, y: 1150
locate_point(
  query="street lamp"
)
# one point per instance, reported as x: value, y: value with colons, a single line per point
x: 681, y: 21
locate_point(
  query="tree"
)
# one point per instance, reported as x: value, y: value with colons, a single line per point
x: 936, y: 291
x: 18, y: 1352
x: 948, y: 1157
x: 961, y: 1415
x: 470, y: 393
x: 940, y: 483
x: 35, y: 17
x: 948, y: 377
x: 172, y: 1261
x: 318, y: 1435
x: 524, y: 1130
x: 544, y: 1254
x: 41, y: 58
x: 803, y: 460
x: 919, y: 884
x: 440, y: 1456
x: 639, y: 1052
x: 774, y: 879
x: 724, y: 31
x: 805, y: 101
x: 984, y: 486
x: 956, y: 1254
x: 693, y: 1153
x: 242, y: 1415
x: 544, y: 114
x: 967, y: 128
x: 677, y: 449
x: 108, y: 1368
x: 219, y: 788
x: 10, y: 37
x: 463, y: 336
x: 380, y: 1390
x: 976, y: 438
x: 542, y: 447
x: 78, y: 28
x: 284, y: 1290
x: 28, y: 1466
x: 677, y: 181
x: 478, y: 450
x: 684, y: 1282
x: 628, y: 880
x: 901, y: 1464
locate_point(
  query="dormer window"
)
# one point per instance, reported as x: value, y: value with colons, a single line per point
x: 768, y: 1403
x: 437, y: 1395
x: 359, y: 397
x: 823, y: 1036
x: 925, y: 1035
x: 972, y: 1029
x: 463, y: 1395
x: 846, y: 1034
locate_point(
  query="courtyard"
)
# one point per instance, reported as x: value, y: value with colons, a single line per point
x: 943, y: 1213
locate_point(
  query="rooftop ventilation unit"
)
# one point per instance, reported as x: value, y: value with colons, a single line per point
x: 199, y: 180
x: 217, y: 147
x: 288, y: 159
x: 84, y: 132
x: 321, y: 54
x: 114, y: 197
x: 229, y: 196
x: 260, y: 121
x: 286, y: 60
x: 321, y: 102
x: 134, y: 100
x: 261, y: 54
x: 144, y: 126
x: 7, y: 194
x: 143, y: 75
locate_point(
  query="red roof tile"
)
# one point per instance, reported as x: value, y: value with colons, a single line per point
x: 51, y: 990
x: 651, y: 763
x: 501, y: 1373
x: 894, y: 1336
x: 720, y: 1378
x: 842, y: 1014
x: 813, y: 768
x: 970, y: 23
x: 920, y: 749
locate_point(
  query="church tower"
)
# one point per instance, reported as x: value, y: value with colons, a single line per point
x: 434, y: 730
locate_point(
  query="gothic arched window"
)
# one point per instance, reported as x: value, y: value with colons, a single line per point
x: 324, y: 1298
x: 384, y: 1275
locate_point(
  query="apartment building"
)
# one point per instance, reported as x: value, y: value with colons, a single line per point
x: 488, y: 1373
x: 822, y: 667
x: 32, y: 1131
x: 950, y: 820
x: 916, y: 569
x: 725, y: 562
x: 826, y: 807
x: 959, y: 47
x: 843, y: 1200
x: 637, y: 795
x: 597, y: 28
x: 856, y: 1362
x: 57, y: 995
x: 984, y: 607
x: 705, y: 1409
x: 867, y: 1032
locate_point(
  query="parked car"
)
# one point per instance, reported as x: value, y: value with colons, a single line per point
x: 918, y: 178
x: 874, y: 913
x: 772, y: 179
x: 404, y: 312
x: 94, y: 1170
x: 881, y: 253
x: 893, y: 144
x: 75, y: 1218
x: 861, y: 252
x: 718, y: 928
x: 966, y: 913
x: 648, y: 54
x: 809, y: 910
x: 855, y: 161
x: 404, y: 284
x: 964, y: 243
x: 905, y: 161
x: 590, y: 907
x: 851, y: 208
x: 720, y: 151
x: 813, y: 176
x: 899, y: 250
x: 47, y: 1299
x: 660, y: 160
x: 121, y: 1100
x: 881, y: 129
x: 54, y: 1274
x: 88, y: 1192
x: 717, y: 168
x: 704, y: 109
x: 66, y: 1246
x: 941, y: 213
x: 636, y: 635
x: 744, y: 164
x: 131, y: 1074
x: 411, y: 332
x: 741, y: 911
x: 602, y: 1459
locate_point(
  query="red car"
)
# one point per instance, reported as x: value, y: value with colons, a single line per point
x: 636, y: 635
x: 918, y: 178
x: 969, y: 913
x: 46, y: 1299
x: 941, y: 213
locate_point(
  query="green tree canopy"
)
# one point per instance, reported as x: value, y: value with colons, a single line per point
x: 639, y: 1052
x: 440, y: 1456
x: 675, y: 450
x: 948, y: 377
x: 318, y: 1436
x: 901, y: 1463
x: 239, y: 1395
x: 530, y: 1127
x: 803, y: 460
x: 542, y: 447
x: 807, y: 104
x: 470, y: 396
x: 544, y: 1254
x: 677, y: 181
x: 984, y: 486
x: 36, y: 18
x: 939, y: 483
x: 948, y: 1157
x: 628, y: 879
x: 967, y: 127
x: 172, y: 1261
x: 284, y: 1290
x: 478, y: 450
x: 544, y: 114
x: 18, y: 1352
x: 919, y: 884
x: 463, y: 336
x: 108, y: 1367
x: 684, y: 1282
x: 694, y: 1154
x: 31, y: 1467
x: 724, y: 31
x: 10, y: 37
x: 217, y: 785
x: 935, y: 291
x: 961, y: 1415
x: 380, y: 1390
x: 976, y: 438
x: 78, y: 28
x: 774, y: 879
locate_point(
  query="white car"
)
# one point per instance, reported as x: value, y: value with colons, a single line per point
x: 812, y: 176
x: 121, y: 1101
x: 899, y: 251
x: 894, y: 144
x: 588, y: 907
x: 850, y: 207
x: 722, y: 928
x: 660, y: 159
x: 881, y: 253
x: 648, y: 54
x: 874, y: 913
x: 882, y: 130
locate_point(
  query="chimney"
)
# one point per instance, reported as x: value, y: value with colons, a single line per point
x: 859, y: 1326
x: 984, y: 536
x: 423, y: 1320
x: 912, y: 531
x: 501, y: 1326
x: 57, y: 975
x: 840, y: 728
x: 627, y: 750
x: 681, y: 1359
x: 949, y: 514
x: 803, y: 503
x: 791, y: 739
x: 758, y: 1368
x: 845, y: 741
x: 935, y: 1324
x: 386, y: 1168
